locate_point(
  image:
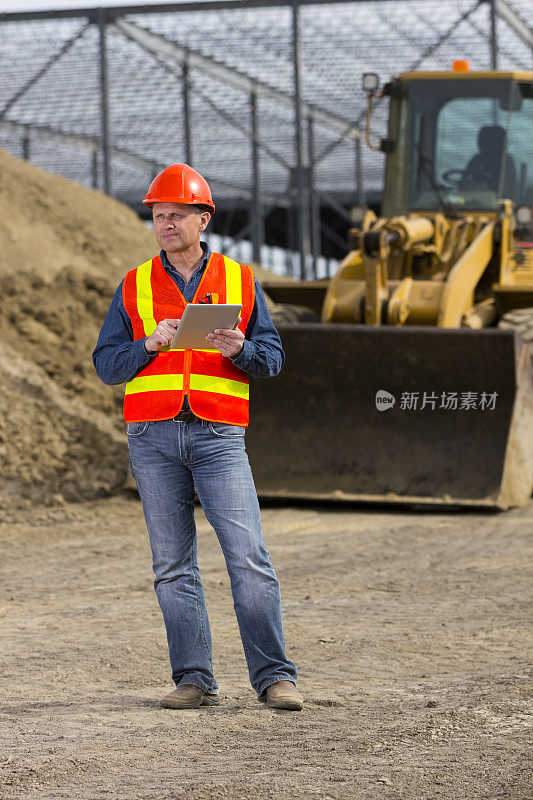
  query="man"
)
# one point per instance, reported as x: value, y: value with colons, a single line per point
x: 186, y: 413
x: 492, y: 164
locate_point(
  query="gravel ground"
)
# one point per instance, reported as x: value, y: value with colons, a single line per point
x: 409, y: 629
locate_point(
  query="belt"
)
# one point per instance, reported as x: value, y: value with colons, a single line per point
x: 186, y: 416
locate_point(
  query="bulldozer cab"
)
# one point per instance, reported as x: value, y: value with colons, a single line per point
x: 459, y: 142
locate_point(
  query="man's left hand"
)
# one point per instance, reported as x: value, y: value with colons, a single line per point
x: 229, y: 341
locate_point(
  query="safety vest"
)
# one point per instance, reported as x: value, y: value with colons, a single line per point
x: 217, y: 390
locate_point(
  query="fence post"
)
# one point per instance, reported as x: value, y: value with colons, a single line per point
x: 187, y: 115
x: 256, y: 209
x: 302, y: 189
x: 104, y: 103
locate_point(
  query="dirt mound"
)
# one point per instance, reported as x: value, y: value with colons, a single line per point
x: 63, y: 251
x: 53, y: 448
x: 48, y: 223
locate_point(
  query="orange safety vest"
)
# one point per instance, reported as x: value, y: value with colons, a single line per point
x: 216, y: 388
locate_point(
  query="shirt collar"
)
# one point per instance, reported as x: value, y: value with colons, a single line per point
x: 207, y: 254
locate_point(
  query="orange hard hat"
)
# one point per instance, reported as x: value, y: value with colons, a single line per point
x: 179, y: 183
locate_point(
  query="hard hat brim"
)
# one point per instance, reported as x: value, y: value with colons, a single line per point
x: 151, y: 202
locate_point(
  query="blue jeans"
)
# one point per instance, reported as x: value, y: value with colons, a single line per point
x: 168, y: 459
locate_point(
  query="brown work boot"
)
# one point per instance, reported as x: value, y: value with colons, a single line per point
x: 284, y: 694
x: 189, y: 696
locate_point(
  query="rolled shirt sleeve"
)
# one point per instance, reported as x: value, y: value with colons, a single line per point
x: 262, y: 354
x: 117, y: 357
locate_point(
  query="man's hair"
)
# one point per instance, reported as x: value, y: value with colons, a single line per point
x: 200, y: 209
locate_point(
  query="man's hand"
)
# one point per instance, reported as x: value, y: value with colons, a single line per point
x: 229, y: 341
x: 163, y: 335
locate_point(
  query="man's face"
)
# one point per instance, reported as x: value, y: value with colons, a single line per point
x: 177, y: 226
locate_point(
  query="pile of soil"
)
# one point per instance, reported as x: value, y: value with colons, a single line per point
x: 63, y: 251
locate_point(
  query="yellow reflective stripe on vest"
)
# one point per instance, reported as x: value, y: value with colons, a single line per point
x: 233, y: 282
x: 201, y: 383
x: 155, y: 383
x: 145, y: 302
x: 208, y: 383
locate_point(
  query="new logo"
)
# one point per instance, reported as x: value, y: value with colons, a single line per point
x: 384, y: 400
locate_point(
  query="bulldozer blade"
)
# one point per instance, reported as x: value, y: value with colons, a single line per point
x: 415, y: 415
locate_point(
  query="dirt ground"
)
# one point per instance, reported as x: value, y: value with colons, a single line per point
x: 409, y: 630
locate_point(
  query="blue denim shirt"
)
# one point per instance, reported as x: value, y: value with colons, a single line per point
x: 117, y: 357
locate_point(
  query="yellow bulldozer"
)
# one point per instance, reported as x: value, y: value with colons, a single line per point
x: 415, y: 386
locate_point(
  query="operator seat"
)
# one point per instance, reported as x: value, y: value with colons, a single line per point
x: 483, y: 170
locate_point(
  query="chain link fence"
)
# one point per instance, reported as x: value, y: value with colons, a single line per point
x: 263, y: 98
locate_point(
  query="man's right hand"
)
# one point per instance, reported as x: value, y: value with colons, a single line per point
x: 163, y: 335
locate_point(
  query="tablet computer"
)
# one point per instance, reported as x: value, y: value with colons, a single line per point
x: 198, y: 320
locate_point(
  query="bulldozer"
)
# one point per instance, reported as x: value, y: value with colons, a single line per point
x: 415, y: 385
